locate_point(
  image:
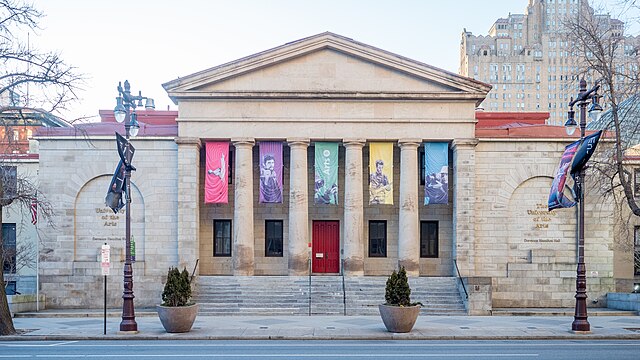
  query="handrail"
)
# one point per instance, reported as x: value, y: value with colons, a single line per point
x: 309, y: 261
x: 344, y: 291
x: 460, y: 277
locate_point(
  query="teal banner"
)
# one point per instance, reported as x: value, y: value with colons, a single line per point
x: 436, y: 182
x: 326, y: 169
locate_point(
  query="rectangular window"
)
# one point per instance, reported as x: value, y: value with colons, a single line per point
x: 9, y: 248
x: 429, y: 239
x: 273, y: 238
x: 9, y: 180
x: 636, y: 182
x: 221, y: 237
x: 377, y: 238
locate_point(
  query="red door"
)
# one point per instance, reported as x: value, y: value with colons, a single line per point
x: 326, y: 247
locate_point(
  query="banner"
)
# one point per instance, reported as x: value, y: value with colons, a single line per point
x: 436, y: 174
x: 585, y: 151
x: 216, y: 180
x: 326, y: 173
x: 270, y: 172
x: 381, y: 173
x: 556, y: 196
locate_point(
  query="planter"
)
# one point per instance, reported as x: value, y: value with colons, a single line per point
x: 399, y: 319
x: 177, y: 319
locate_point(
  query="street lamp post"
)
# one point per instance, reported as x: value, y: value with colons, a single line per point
x: 580, y: 322
x: 125, y: 111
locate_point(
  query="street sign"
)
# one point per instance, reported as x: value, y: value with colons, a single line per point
x: 105, y: 256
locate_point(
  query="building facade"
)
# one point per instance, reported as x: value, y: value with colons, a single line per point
x: 530, y: 62
x: 493, y: 228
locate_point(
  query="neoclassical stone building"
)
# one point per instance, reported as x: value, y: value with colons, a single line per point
x: 325, y: 88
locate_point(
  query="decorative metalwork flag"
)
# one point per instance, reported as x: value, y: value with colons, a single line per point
x: 556, y: 196
x: 381, y: 173
x: 436, y: 174
x: 216, y: 179
x: 326, y: 171
x: 270, y: 172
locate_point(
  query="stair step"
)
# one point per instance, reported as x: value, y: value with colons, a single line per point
x: 284, y: 295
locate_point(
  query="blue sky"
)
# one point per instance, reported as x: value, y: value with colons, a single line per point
x: 152, y: 42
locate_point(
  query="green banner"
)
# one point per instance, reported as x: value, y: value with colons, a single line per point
x: 326, y: 187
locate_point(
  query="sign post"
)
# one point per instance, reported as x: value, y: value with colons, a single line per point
x: 105, y: 262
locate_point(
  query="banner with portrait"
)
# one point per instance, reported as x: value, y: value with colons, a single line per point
x: 216, y: 179
x: 270, y: 172
x: 436, y: 165
x: 381, y: 173
x: 326, y: 173
x: 556, y: 195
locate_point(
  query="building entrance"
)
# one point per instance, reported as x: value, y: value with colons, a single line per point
x: 326, y: 247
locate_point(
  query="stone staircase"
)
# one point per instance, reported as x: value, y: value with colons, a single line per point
x: 289, y: 295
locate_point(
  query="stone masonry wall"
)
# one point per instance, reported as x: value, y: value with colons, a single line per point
x: 70, y: 272
x: 531, y: 253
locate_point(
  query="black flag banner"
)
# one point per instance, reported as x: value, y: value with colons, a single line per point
x: 586, y: 149
x: 116, y: 189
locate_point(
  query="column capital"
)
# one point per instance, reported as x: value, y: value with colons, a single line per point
x: 194, y: 141
x: 409, y: 143
x: 243, y: 141
x: 352, y: 142
x: 298, y: 142
x: 465, y: 143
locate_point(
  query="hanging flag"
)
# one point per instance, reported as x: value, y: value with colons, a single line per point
x: 381, y: 173
x: 585, y: 151
x: 216, y: 180
x: 436, y: 180
x: 556, y: 196
x: 34, y: 209
x: 270, y: 172
x: 116, y: 188
x: 326, y: 173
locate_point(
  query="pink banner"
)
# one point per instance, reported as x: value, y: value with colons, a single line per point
x: 216, y: 183
x: 271, y: 172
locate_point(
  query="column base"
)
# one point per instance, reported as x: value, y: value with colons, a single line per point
x: 353, y: 267
x: 412, y: 267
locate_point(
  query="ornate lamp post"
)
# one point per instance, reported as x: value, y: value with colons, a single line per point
x: 580, y: 322
x: 125, y: 111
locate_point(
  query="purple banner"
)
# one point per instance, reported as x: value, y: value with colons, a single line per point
x: 270, y: 172
x: 556, y: 196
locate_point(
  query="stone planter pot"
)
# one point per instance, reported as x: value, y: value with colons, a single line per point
x: 399, y: 319
x: 177, y: 319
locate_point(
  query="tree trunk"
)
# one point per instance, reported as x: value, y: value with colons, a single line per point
x: 6, y: 322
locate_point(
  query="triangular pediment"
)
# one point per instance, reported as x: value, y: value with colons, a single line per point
x: 329, y: 66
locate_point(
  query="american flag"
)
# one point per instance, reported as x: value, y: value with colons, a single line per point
x: 34, y: 209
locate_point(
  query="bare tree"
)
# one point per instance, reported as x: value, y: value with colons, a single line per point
x: 31, y: 82
x: 606, y: 55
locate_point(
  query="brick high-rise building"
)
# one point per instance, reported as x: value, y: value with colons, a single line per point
x: 528, y: 59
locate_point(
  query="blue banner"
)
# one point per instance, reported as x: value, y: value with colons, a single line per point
x: 436, y: 165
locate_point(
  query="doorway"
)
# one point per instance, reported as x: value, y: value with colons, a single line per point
x: 326, y: 247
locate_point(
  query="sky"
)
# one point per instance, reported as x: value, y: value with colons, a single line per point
x: 151, y: 42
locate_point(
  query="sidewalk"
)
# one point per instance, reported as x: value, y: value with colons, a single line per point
x: 88, y: 325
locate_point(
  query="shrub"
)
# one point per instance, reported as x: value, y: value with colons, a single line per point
x: 397, y: 291
x: 177, y: 289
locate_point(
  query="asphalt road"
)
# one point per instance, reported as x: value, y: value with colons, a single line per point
x: 313, y: 349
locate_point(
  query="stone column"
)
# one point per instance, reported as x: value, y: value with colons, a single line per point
x: 188, y: 201
x: 464, y: 193
x: 243, y: 258
x: 408, y: 225
x: 353, y: 208
x: 298, y: 208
